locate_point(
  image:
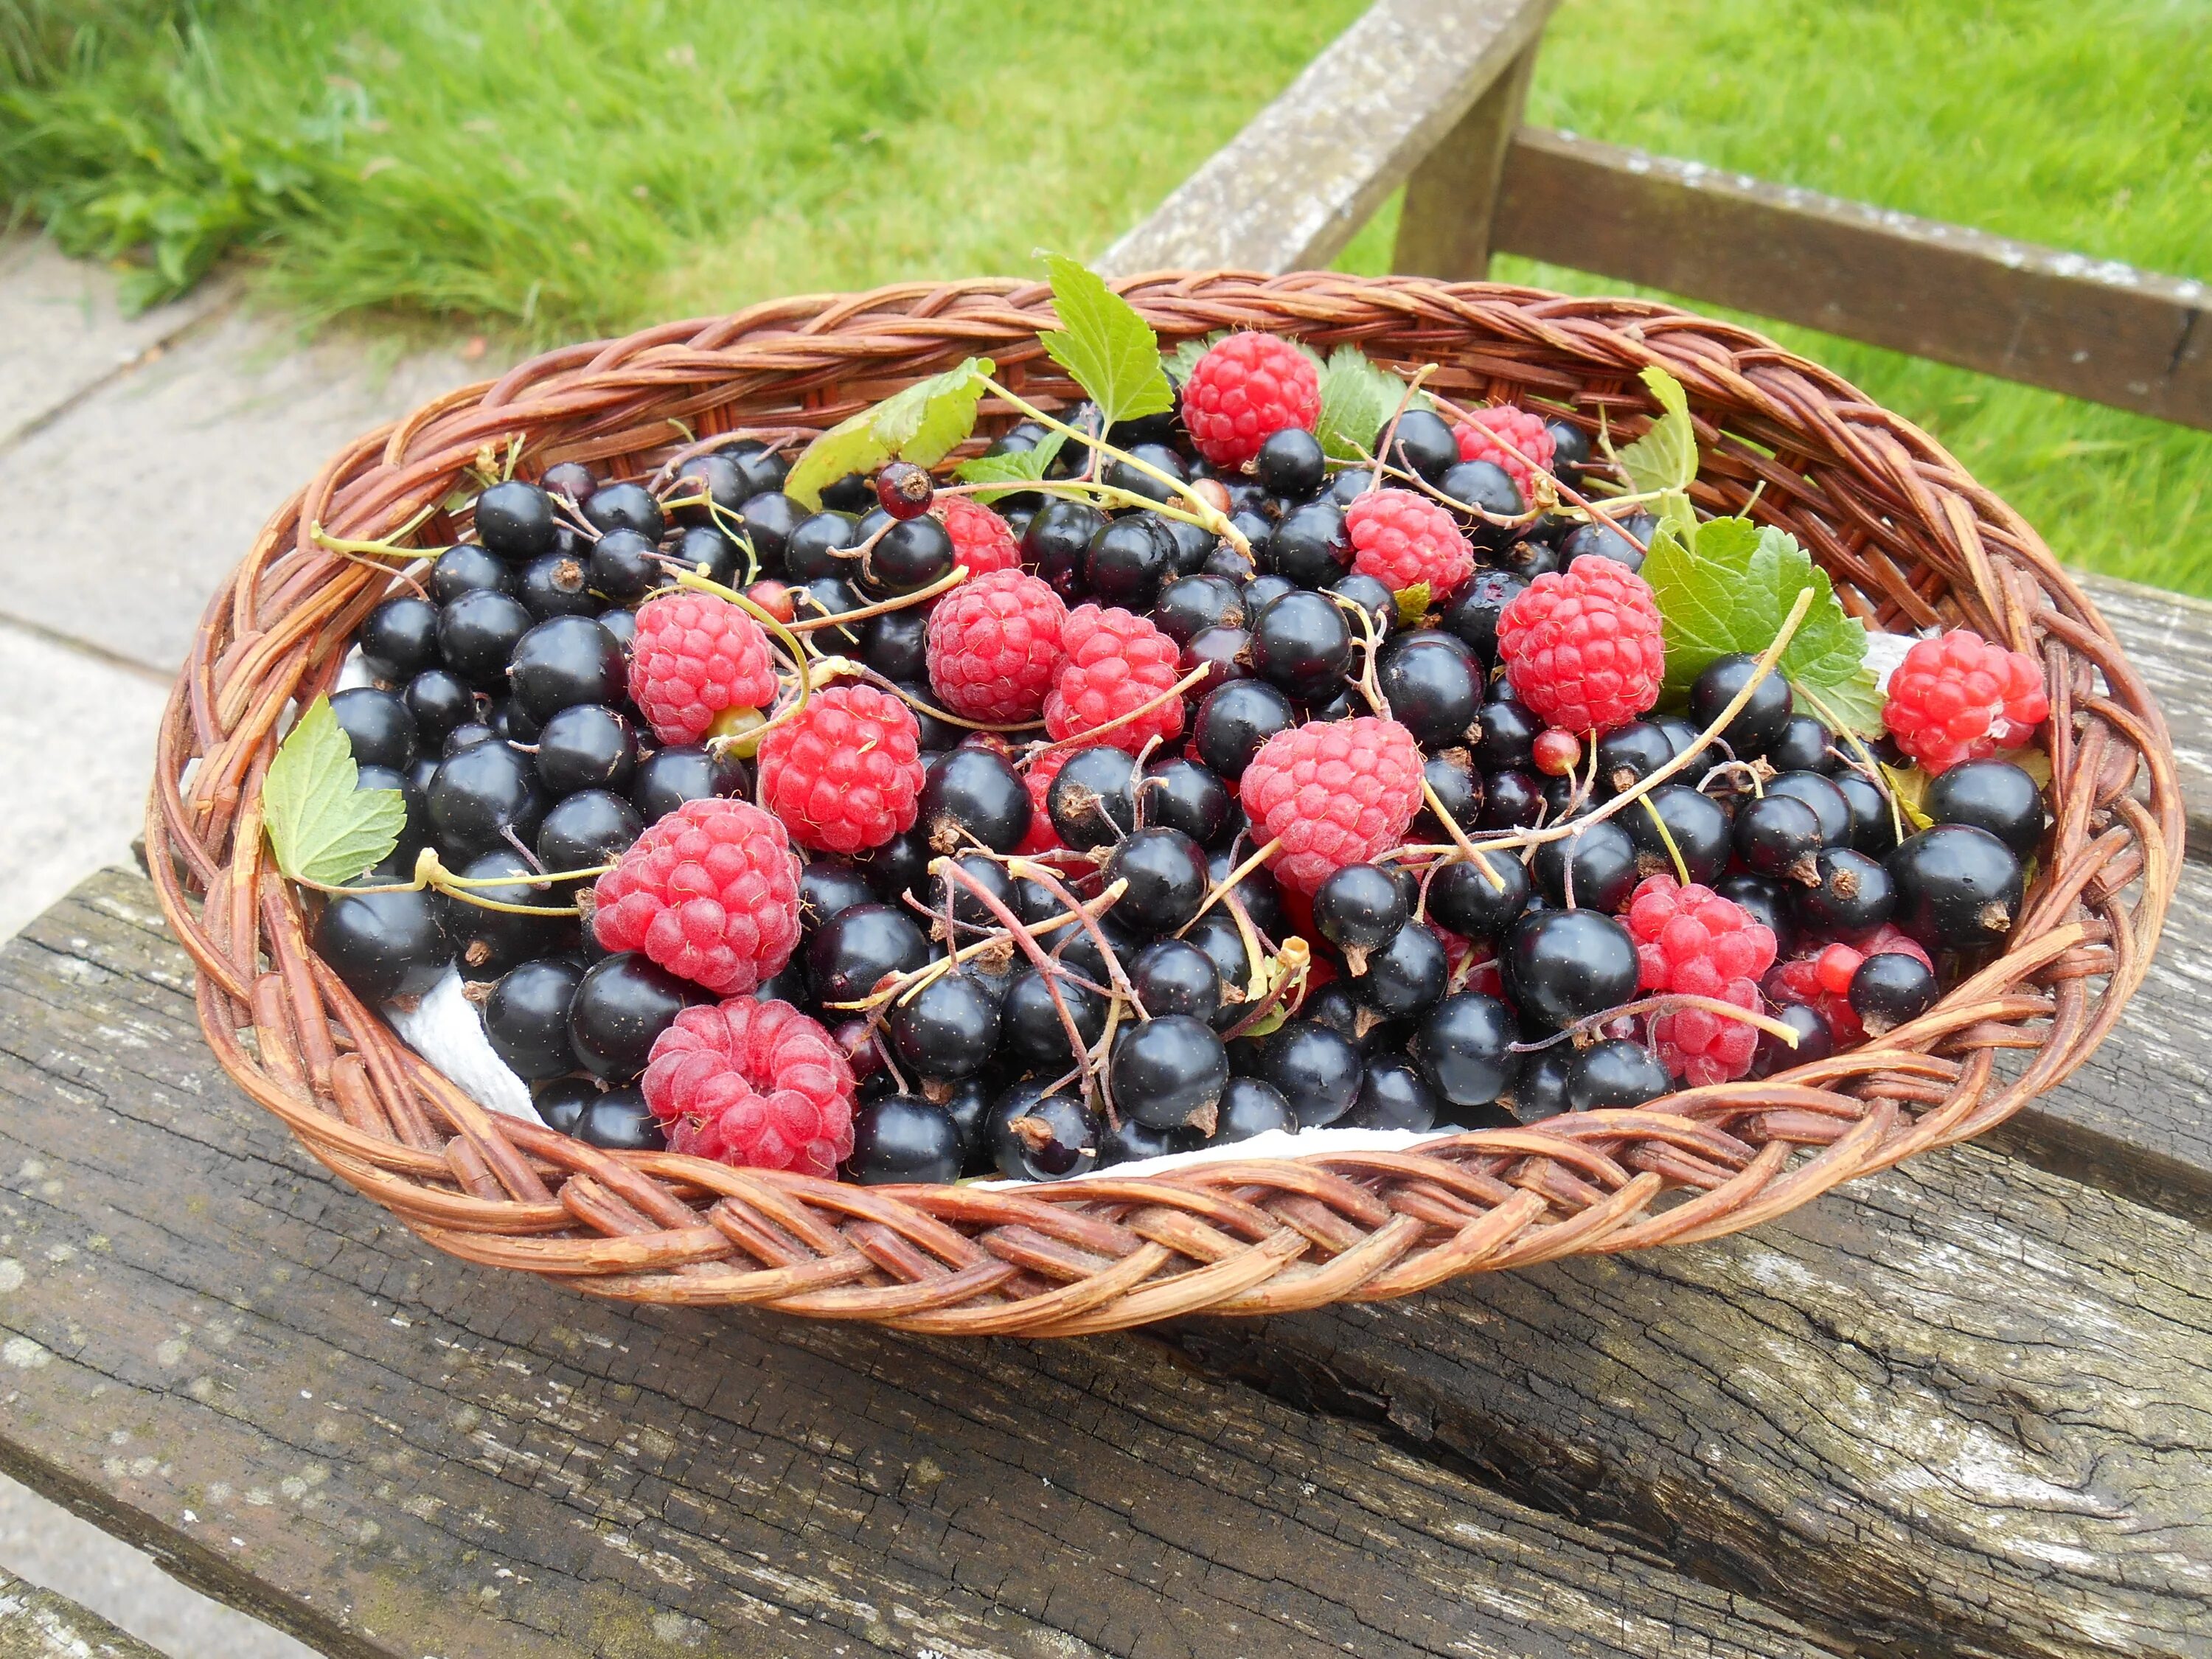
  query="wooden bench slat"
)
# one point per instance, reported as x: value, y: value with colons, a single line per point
x: 1309, y: 170
x: 2168, y: 638
x: 1958, y: 1406
x: 2098, y: 329
x: 42, y: 1624
x: 209, y: 1344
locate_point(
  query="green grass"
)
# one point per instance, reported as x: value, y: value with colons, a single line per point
x: 561, y: 167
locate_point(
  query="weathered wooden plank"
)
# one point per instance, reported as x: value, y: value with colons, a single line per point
x: 1308, y: 171
x: 216, y: 1349
x: 1444, y: 225
x: 2168, y: 638
x: 2091, y: 328
x: 38, y: 1624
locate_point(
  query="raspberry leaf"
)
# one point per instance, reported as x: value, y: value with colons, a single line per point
x: 1413, y: 604
x: 1015, y: 467
x: 1666, y: 456
x: 1111, y: 352
x: 1184, y: 358
x: 324, y: 830
x: 923, y: 424
x: 1357, y: 399
x: 1726, y: 587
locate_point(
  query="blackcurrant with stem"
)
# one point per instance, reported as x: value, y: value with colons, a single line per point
x: 1890, y: 989
x: 1056, y: 541
x: 1169, y: 1072
x: 986, y: 873
x: 556, y: 585
x: 1184, y: 794
x: 624, y: 567
x: 1190, y: 603
x: 1778, y: 835
x: 1819, y: 792
x: 1958, y: 887
x: 1760, y: 721
x: 1479, y: 905
x: 1694, y: 823
x: 858, y: 948
x: 1405, y: 976
x: 1174, y: 976
x: 1479, y: 489
x: 385, y: 945
x: 948, y: 1029
x: 1360, y: 907
x: 1540, y: 1085
x: 488, y: 942
x: 667, y: 778
x: 565, y: 661
x: 476, y: 795
x: 623, y: 507
x: 1035, y: 1136
x: 813, y: 547
x: 1507, y: 738
x: 515, y: 519
x: 1873, y: 829
x: 1302, y: 644
x: 526, y: 1017
x: 1033, y: 1033
x: 1852, y: 900
x: 913, y: 554
x: 1166, y: 874
x: 1595, y: 866
x: 1629, y: 754
x: 1422, y: 444
x: 586, y: 830
x: 975, y: 794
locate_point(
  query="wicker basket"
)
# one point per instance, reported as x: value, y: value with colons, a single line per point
x: 1910, y: 538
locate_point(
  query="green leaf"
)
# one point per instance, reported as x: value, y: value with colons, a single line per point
x: 1413, y: 604
x: 1727, y: 589
x: 1015, y: 467
x: 1184, y: 358
x: 1666, y: 457
x: 1909, y: 785
x: 924, y: 423
x: 324, y: 830
x: 1111, y: 352
x: 1357, y: 399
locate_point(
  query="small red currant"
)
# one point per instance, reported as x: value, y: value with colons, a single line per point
x: 904, y: 490
x: 1557, y: 752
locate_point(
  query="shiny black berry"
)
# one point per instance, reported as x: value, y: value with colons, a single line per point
x: 526, y: 1017
x: 622, y: 507
x: 1476, y: 904
x: 1565, y: 965
x: 1990, y: 795
x: 1056, y: 541
x: 1596, y: 866
x: 1604, y: 542
x: 1458, y: 786
x: 1814, y: 1042
x: 1393, y: 1095
x: 984, y: 872
x: 912, y: 554
x: 769, y: 519
x: 624, y: 567
x: 562, y: 1101
x: 1696, y: 826
x: 1423, y: 444
x: 1360, y: 907
x: 1039, y: 1137
x: 488, y: 942
x: 1248, y: 1108
x: 1511, y: 799
x: 477, y: 794
x: 1759, y: 722
x: 379, y: 724
x: 478, y: 634
x: 1190, y: 603
x: 1571, y: 451
x: 1165, y: 870
x: 1778, y: 835
x: 584, y: 830
x: 1958, y: 887
x: 1540, y: 1085
x: 385, y: 945
x: 1891, y: 989
x: 439, y: 702
x: 1463, y: 1046
x: 1434, y: 691
x: 685, y: 771
x: 1092, y: 802
x: 515, y: 519
x: 1629, y: 754
x: 1615, y: 1075
x: 1405, y: 976
x: 1854, y: 897
x: 1035, y: 1034
x: 850, y: 954
x: 1473, y: 617
x: 948, y: 1029
x: 1174, y: 976
x: 1169, y: 1071
x: 1765, y: 900
x: 828, y: 888
x: 1318, y: 1072
x: 1186, y: 795
x: 1311, y: 546
x: 619, y: 1120
x: 587, y: 746
x: 565, y: 661
x: 1820, y: 792
x: 1873, y: 829
x: 904, y: 490
x: 1803, y: 745
x: 557, y: 585
x: 622, y: 1005
x: 1302, y: 643
x: 399, y: 638
x: 1290, y: 462
x: 975, y: 794
x: 1488, y: 486
x: 1120, y: 475
x: 1508, y: 736
x: 903, y: 1138
x: 1235, y: 720
x: 813, y: 547
x: 1132, y: 1142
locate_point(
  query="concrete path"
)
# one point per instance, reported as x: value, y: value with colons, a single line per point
x: 141, y: 455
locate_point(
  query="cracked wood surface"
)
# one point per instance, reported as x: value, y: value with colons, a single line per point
x: 216, y: 1349
x: 38, y: 1624
x: 1956, y: 1408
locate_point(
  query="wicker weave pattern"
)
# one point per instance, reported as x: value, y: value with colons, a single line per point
x: 1910, y: 538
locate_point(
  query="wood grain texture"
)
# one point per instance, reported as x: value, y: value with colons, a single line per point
x: 1451, y: 197
x: 214, y: 1349
x: 1307, y: 171
x: 39, y: 1623
x: 1955, y: 1408
x: 2168, y: 638
x: 2090, y: 328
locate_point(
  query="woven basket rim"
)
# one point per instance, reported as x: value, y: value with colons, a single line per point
x: 1908, y: 535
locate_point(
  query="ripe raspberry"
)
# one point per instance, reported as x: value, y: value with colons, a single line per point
x: 1400, y: 538
x: 1691, y: 942
x: 1115, y: 662
x: 1245, y: 389
x: 1333, y: 794
x: 753, y: 1083
x: 994, y: 646
x: 1037, y: 775
x: 1822, y: 980
x: 1582, y: 645
x: 710, y: 892
x: 981, y: 540
x: 1960, y: 698
x: 697, y: 655
x: 847, y: 774
x: 1479, y: 435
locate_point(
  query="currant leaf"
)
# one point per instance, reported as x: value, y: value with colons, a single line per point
x: 1666, y: 456
x: 1015, y: 468
x: 923, y: 424
x: 324, y: 830
x: 1357, y: 398
x: 1111, y: 351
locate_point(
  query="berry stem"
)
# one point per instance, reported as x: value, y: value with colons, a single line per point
x: 1673, y: 1002
x: 1292, y: 961
x: 1021, y: 868
x: 1390, y: 427
x: 1080, y: 490
x: 1573, y: 497
x: 1467, y: 849
x: 430, y: 872
x: 1086, y: 738
x: 1667, y: 835
x: 386, y: 548
x: 1215, y: 894
x: 831, y: 666
x: 949, y: 869
x: 1871, y: 767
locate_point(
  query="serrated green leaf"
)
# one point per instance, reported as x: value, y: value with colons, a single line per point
x: 1357, y: 399
x: 1665, y: 457
x: 324, y: 830
x: 1413, y: 604
x: 1728, y: 588
x: 1111, y: 352
x: 1014, y: 467
x: 923, y: 423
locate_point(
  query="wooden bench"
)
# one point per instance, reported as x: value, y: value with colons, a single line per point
x: 1960, y: 1408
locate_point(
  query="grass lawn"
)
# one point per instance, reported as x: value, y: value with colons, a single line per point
x: 568, y: 167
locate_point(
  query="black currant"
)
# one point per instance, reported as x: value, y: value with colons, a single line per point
x: 1615, y: 1075
x: 478, y: 634
x: 854, y: 494
x: 1190, y: 603
x: 1302, y: 643
x: 1166, y: 873
x: 988, y: 874
x: 399, y: 638
x: 1476, y: 904
x: 1132, y: 1142
x: 1804, y: 745
x: 1120, y: 475
x: 1256, y: 890
x: 488, y: 942
x: 1035, y: 1034
x: 586, y: 745
x: 557, y: 585
x: 1814, y: 1042
x: 1891, y: 989
x: 1360, y: 907
x: 1169, y: 1071
x: 948, y: 1029
x: 828, y: 888
x: 1423, y: 444
x: 1464, y: 1046
x: 379, y: 726
x: 1393, y: 1095
x: 565, y: 661
x: 625, y: 567
x: 1249, y: 1107
x: 1488, y: 486
x: 685, y: 771
x: 1765, y: 900
x: 903, y: 1138
x: 468, y: 568
x: 904, y: 490
x: 1760, y: 721
x: 479, y: 794
x: 385, y: 945
x: 1035, y: 1136
x: 1508, y: 735
x: 1629, y: 754
x: 1596, y: 866
x: 1990, y: 795
x: 515, y: 519
x: 1957, y: 887
x: 1183, y: 794
x: 850, y: 954
x: 813, y: 547
x: 1778, y: 835
x: 975, y: 794
x: 1434, y: 691
x: 526, y: 1017
x: 1571, y: 451
x: 1317, y: 1071
x: 1818, y: 791
x: 1092, y: 801
x: 439, y: 703
x: 586, y: 830
x: 899, y: 866
x: 1874, y: 831
x: 1290, y: 462
x: 1405, y: 976
x: 622, y: 1003
x: 1473, y: 617
x: 623, y: 507
x: 830, y: 596
x: 1174, y: 976
x: 1853, y: 898
x: 1565, y: 965
x: 1458, y: 786
x: 1694, y: 823
x: 1311, y: 546
x: 1604, y: 542
x: 912, y: 554
x: 619, y: 1120
x: 769, y: 519
x: 1540, y: 1085
x: 1056, y: 541
x: 562, y: 1101
x: 1511, y: 799
x: 1215, y: 936
x: 1369, y: 595
x: 1235, y: 720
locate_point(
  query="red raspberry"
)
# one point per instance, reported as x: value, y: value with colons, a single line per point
x: 710, y: 892
x: 1038, y: 776
x: 1822, y: 980
x: 1582, y: 645
x: 994, y: 646
x: 847, y: 774
x: 753, y: 1083
x: 1245, y: 389
x: 1401, y: 539
x: 1333, y: 794
x: 696, y: 656
x: 1691, y: 942
x: 981, y: 540
x: 1115, y: 662
x: 1960, y: 698
x: 1479, y: 436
